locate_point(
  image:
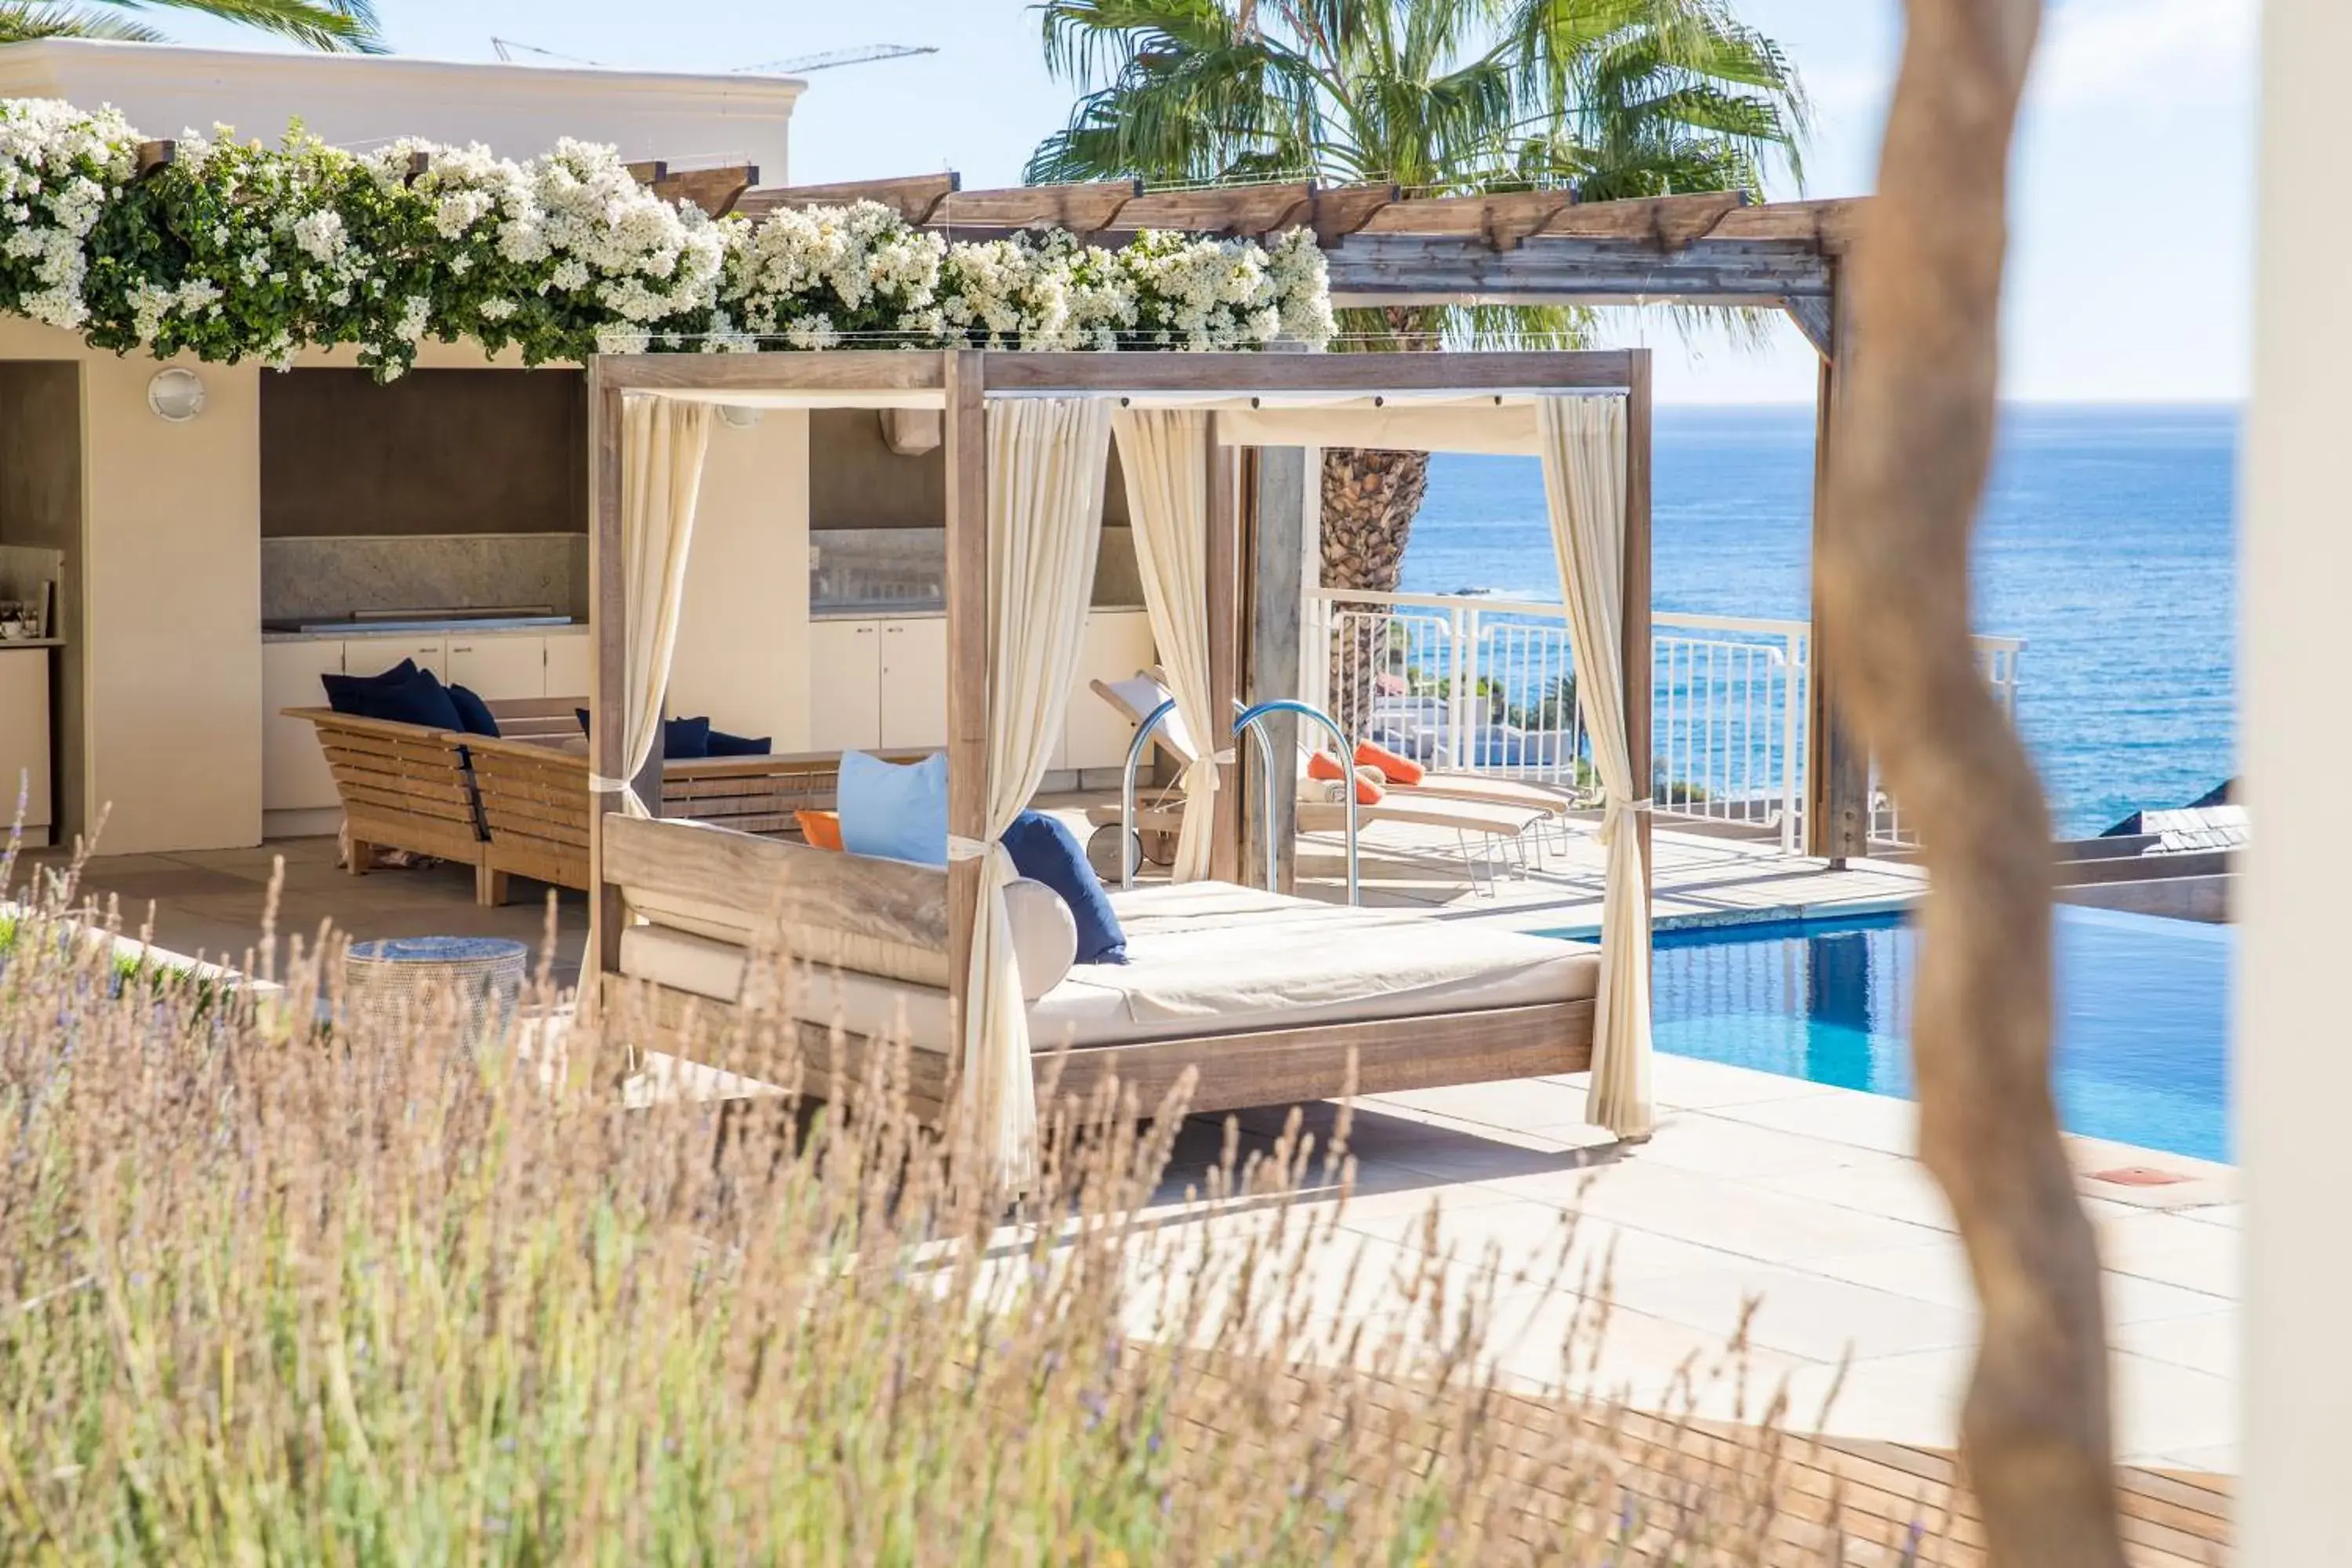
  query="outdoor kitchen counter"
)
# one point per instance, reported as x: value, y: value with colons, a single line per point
x: 354, y: 631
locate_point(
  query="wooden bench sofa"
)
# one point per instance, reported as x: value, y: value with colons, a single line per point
x: 518, y: 805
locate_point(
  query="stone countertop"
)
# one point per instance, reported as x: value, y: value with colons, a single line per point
x: 7, y: 643
x: 354, y: 630
x: 918, y: 609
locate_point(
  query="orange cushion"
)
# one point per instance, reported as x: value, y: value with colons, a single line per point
x: 821, y: 828
x: 1397, y: 770
x: 1368, y: 787
x: 1323, y: 765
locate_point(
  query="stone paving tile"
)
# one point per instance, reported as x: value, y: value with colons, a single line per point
x: 1803, y: 1314
x: 1937, y: 1272
x: 1528, y: 1103
x: 1892, y: 1186
x: 1544, y: 1242
x: 2207, y: 1343
x: 2158, y: 1246
x: 2231, y: 1214
x: 1545, y: 1340
x: 1875, y: 1121
x: 1687, y: 1083
x: 1713, y: 1145
x: 1740, y: 1218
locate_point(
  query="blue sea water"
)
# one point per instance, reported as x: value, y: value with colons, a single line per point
x: 2141, y: 1017
x: 2106, y: 541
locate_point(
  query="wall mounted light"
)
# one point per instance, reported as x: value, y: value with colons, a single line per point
x: 740, y: 417
x: 176, y: 395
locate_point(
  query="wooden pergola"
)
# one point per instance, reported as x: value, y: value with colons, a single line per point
x: 637, y: 863
x: 1524, y: 248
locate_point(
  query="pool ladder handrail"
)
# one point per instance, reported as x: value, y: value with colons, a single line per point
x: 1252, y: 720
x: 1249, y: 719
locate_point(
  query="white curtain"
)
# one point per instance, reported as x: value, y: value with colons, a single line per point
x: 662, y: 443
x: 1045, y: 462
x: 1164, y: 453
x: 1584, y: 487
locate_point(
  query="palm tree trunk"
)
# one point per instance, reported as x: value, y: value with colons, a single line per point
x: 1369, y: 499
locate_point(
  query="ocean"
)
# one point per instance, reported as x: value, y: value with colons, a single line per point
x: 2107, y: 542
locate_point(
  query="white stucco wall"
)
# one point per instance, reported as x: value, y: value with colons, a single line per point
x: 355, y: 99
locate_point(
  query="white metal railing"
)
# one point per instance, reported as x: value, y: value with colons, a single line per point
x: 1997, y: 661
x: 1488, y: 685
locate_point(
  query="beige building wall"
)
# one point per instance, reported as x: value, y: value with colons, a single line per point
x: 2292, y: 1042
x: 358, y: 100
x: 170, y: 605
x: 742, y: 640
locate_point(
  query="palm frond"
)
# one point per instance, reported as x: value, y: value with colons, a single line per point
x: 23, y: 22
x: 340, y: 26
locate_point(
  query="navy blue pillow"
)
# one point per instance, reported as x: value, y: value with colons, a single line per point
x: 723, y: 744
x: 419, y: 699
x: 473, y: 713
x: 686, y: 740
x: 1044, y: 851
x: 345, y: 692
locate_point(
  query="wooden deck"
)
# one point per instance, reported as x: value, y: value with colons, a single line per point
x: 1815, y: 1501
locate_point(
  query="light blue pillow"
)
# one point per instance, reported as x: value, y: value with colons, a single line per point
x: 895, y: 811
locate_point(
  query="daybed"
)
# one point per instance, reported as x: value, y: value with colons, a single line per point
x: 1281, y: 990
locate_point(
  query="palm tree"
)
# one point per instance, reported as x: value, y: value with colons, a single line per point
x: 1613, y: 98
x: 320, y: 24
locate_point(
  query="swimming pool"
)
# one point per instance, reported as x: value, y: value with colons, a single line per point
x: 2143, y: 1014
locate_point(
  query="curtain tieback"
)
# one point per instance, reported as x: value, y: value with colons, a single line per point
x: 962, y: 848
x: 599, y: 784
x: 1614, y: 808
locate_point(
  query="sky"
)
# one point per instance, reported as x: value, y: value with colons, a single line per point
x: 2131, y: 236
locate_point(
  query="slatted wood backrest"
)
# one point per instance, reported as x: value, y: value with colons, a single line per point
x: 538, y: 718
x: 768, y: 881
x: 535, y: 806
x: 403, y: 787
x: 757, y: 795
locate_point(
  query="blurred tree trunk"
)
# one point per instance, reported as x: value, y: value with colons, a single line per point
x: 1911, y: 438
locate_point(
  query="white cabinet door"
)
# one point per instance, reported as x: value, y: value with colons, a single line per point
x: 844, y: 686
x: 570, y: 658
x: 499, y: 667
x: 915, y: 683
x: 1116, y: 645
x: 294, y: 775
x: 373, y: 656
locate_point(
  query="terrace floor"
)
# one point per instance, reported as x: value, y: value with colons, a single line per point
x: 1754, y: 1186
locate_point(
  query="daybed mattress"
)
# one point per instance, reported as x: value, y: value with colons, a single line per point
x: 1204, y: 958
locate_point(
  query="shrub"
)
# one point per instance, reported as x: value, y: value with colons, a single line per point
x: 419, y: 1291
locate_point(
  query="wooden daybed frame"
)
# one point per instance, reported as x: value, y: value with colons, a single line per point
x: 934, y: 910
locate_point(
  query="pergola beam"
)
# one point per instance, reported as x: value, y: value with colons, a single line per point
x: 1381, y: 268
x: 716, y: 191
x: 913, y: 198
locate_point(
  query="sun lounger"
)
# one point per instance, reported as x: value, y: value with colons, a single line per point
x: 1506, y: 816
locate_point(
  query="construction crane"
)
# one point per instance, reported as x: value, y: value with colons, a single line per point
x: 507, y: 48
x: 832, y: 58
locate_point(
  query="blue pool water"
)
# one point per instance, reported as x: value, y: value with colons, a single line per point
x: 2143, y: 1014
